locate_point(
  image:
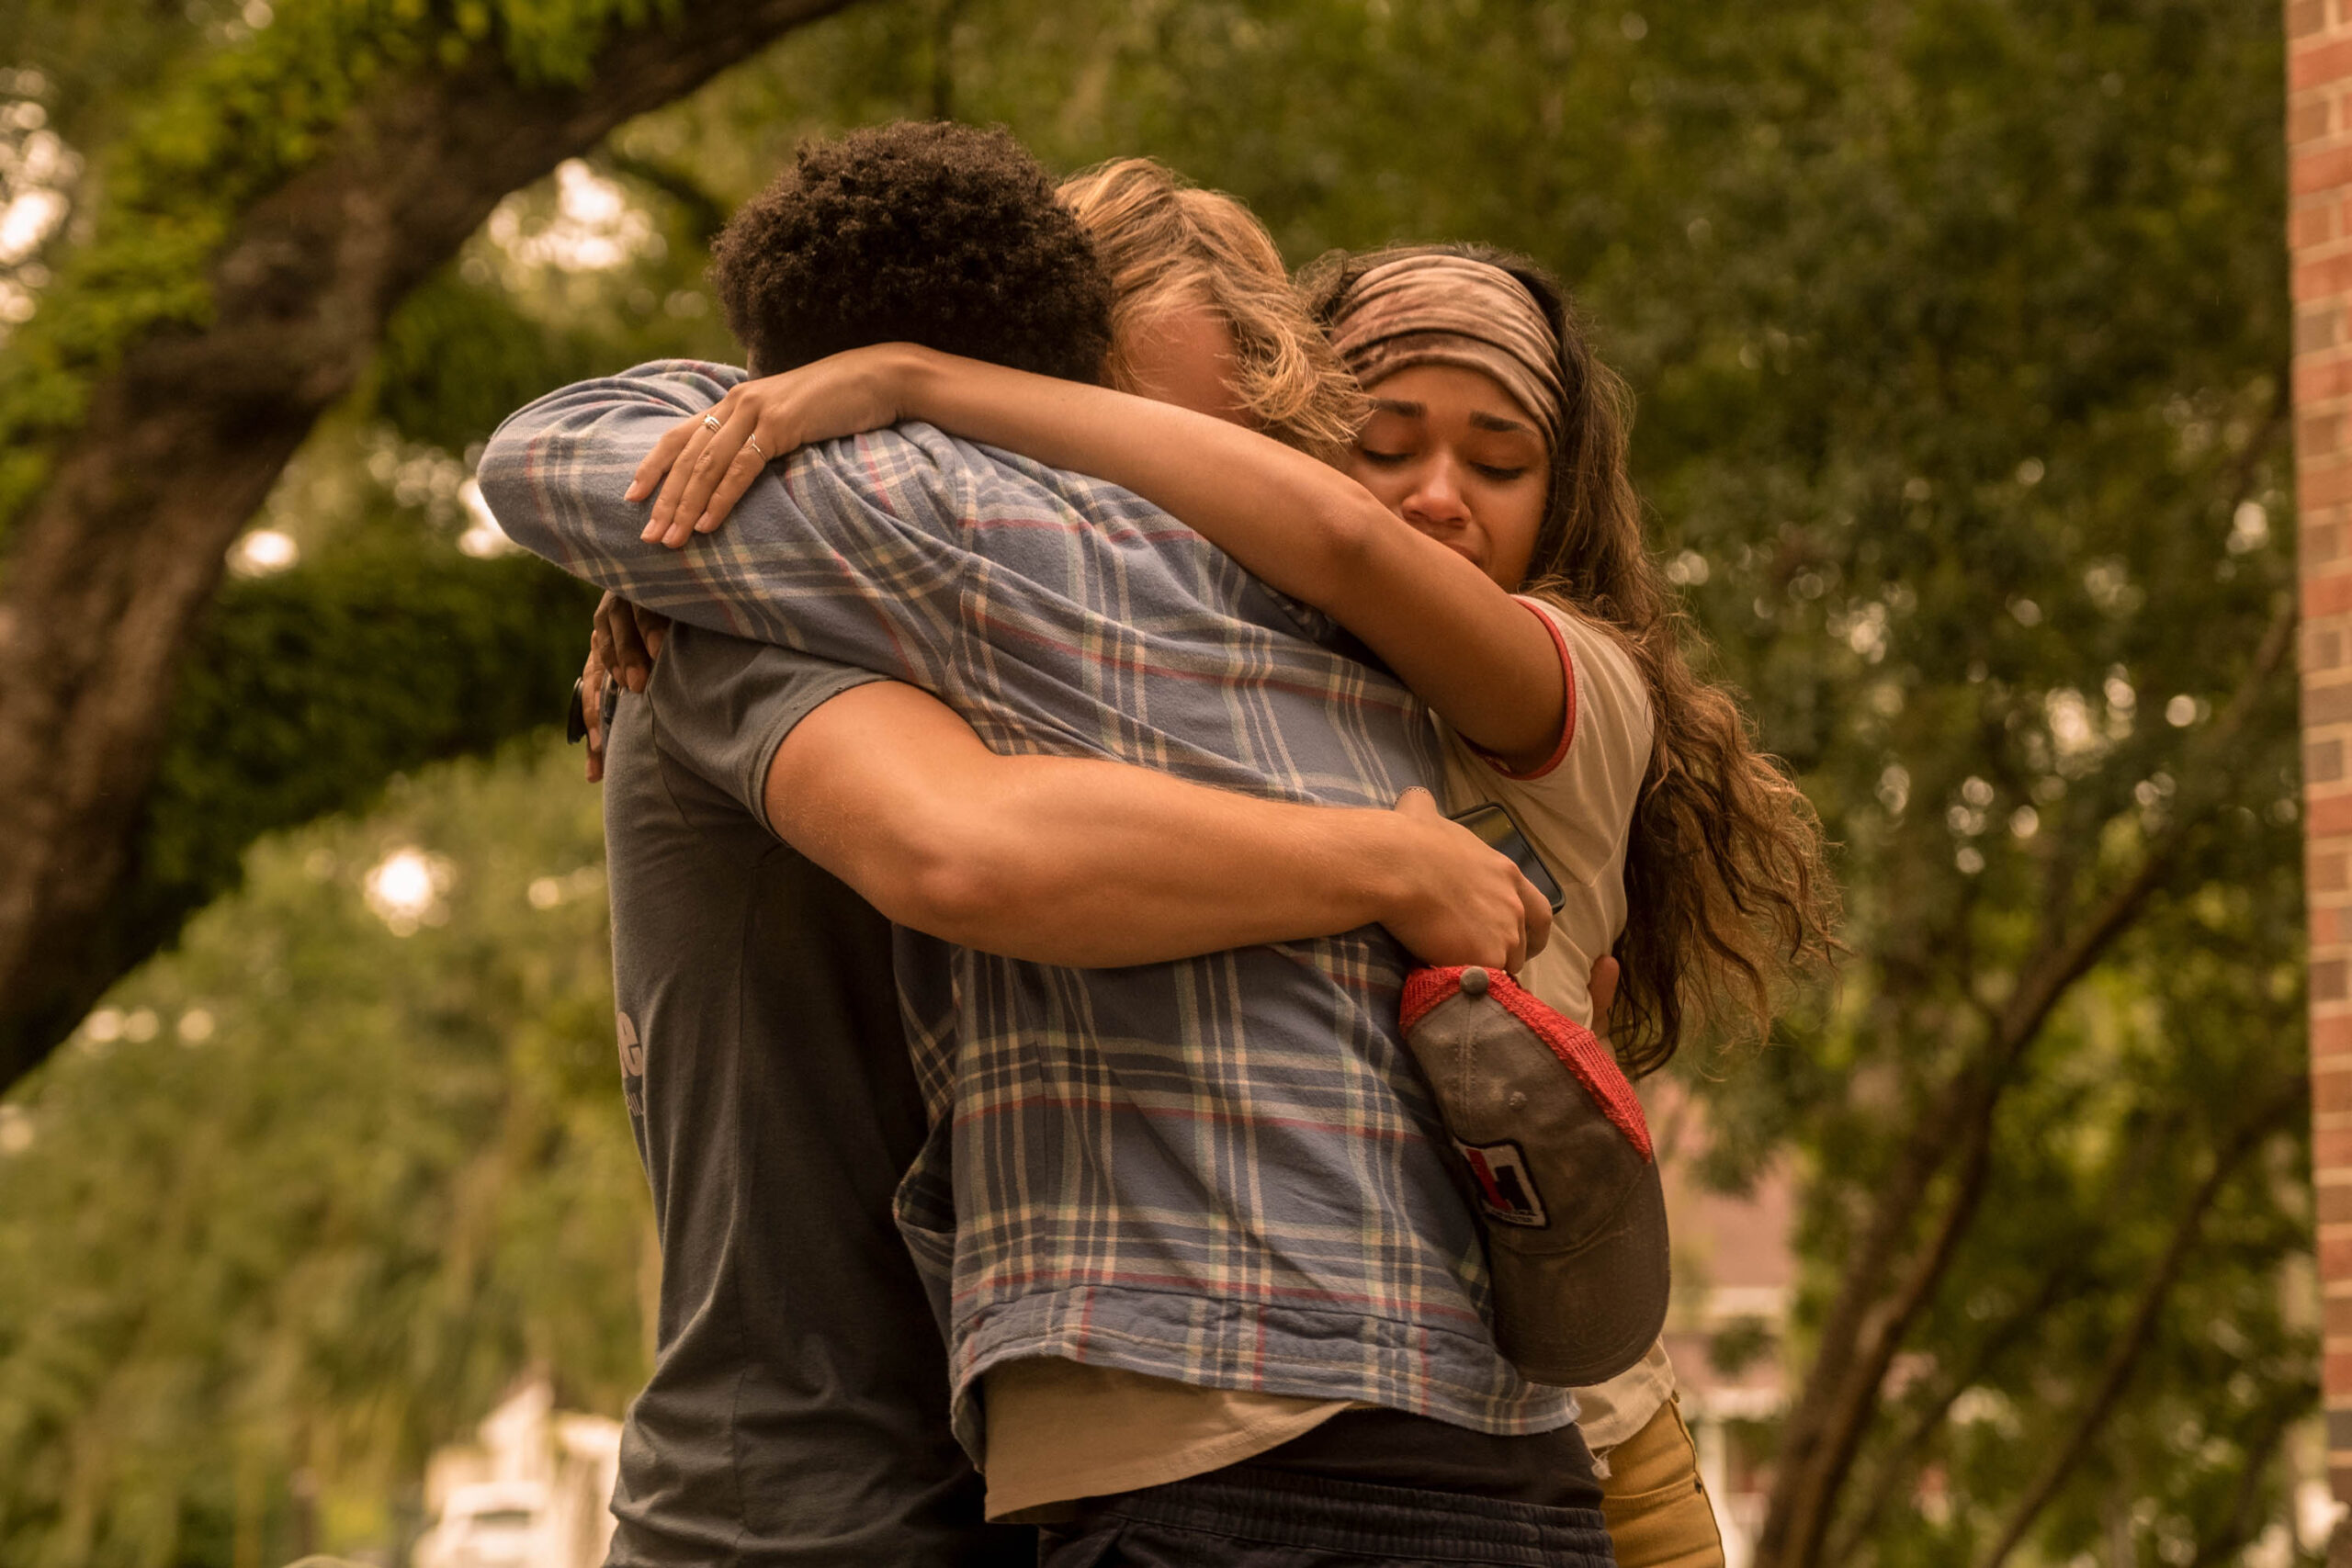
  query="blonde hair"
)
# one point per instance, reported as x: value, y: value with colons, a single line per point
x: 1168, y: 242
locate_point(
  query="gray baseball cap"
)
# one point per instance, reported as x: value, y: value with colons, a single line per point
x: 1554, y: 1151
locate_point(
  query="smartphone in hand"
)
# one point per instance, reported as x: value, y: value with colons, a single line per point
x: 1494, y: 825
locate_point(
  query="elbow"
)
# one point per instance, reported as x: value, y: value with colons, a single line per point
x: 506, y: 455
x: 952, y: 898
x: 999, y: 895
x: 1346, y: 531
x: 944, y: 881
x: 495, y: 472
x: 502, y: 477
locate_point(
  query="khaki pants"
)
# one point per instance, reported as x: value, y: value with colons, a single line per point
x: 1658, y: 1510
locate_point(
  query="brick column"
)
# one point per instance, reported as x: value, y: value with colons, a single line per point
x: 2319, y: 238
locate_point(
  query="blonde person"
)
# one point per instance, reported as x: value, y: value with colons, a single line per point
x: 1496, y: 446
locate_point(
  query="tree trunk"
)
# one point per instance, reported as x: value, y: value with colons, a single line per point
x: 110, y: 567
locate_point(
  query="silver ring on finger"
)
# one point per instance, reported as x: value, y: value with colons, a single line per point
x: 710, y: 422
x: 753, y: 443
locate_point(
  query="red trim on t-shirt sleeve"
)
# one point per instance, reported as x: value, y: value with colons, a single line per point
x: 1568, y: 713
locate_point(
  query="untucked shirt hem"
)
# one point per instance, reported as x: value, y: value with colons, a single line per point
x: 1460, y: 1379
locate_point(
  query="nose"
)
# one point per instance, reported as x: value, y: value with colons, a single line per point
x: 1435, y: 501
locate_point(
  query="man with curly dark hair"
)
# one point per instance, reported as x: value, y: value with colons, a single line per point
x: 1058, y: 1221
x: 946, y: 235
x: 796, y: 1414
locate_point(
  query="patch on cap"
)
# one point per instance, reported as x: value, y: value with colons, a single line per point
x: 1506, y: 1187
x: 1554, y: 1151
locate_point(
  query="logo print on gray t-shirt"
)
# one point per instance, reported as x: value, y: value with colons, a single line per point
x: 632, y: 1063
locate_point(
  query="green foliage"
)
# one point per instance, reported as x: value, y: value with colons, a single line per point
x: 459, y: 357
x: 483, y: 337
x: 1959, y: 330
x: 311, y: 1192
x: 229, y: 120
x: 493, y: 331
x: 306, y: 691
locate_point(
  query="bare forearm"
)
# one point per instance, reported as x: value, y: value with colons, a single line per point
x: 1305, y: 529
x: 1095, y: 864
x: 1279, y: 512
x: 1065, y: 859
x: 1105, y: 870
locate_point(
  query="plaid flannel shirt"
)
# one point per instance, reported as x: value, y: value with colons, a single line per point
x: 1223, y: 1170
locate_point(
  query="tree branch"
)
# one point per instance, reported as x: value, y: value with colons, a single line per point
x: 1927, y: 1418
x: 2244, y: 1517
x: 705, y: 214
x: 2040, y: 989
x: 1886, y: 1322
x: 2284, y: 1104
x: 1887, y: 1479
x: 112, y: 564
x: 1866, y: 1326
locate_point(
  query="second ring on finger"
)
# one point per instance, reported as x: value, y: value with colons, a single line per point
x: 673, y: 483
x: 710, y: 468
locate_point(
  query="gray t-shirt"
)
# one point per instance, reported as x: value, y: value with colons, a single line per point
x: 797, y: 1413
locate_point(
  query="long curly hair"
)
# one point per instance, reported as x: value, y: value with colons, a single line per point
x: 946, y: 235
x: 1727, y: 889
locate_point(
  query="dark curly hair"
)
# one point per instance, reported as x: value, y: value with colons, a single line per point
x: 946, y: 235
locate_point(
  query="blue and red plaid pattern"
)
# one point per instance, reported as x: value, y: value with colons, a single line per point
x: 1225, y: 1170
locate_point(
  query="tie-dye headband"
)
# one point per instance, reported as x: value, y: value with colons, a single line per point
x: 1430, y: 307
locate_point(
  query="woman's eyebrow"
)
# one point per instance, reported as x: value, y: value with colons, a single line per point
x: 1480, y: 419
x: 1392, y: 405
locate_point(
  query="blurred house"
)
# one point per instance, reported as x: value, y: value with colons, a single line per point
x: 1734, y: 1274
x: 534, y: 1492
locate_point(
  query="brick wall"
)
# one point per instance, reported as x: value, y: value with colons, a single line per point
x: 2319, y: 237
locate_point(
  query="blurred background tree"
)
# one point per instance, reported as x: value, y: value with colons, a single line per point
x: 1960, y: 332
x: 205, y: 252
x: 313, y: 1189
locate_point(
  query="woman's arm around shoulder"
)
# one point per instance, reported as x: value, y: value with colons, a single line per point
x: 1448, y: 631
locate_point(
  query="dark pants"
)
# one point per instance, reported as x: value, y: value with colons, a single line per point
x: 1250, y: 1517
x: 1367, y: 1486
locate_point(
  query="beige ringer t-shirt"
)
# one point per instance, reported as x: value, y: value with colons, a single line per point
x: 1610, y: 1413
x: 1577, y: 810
x: 1057, y: 1431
